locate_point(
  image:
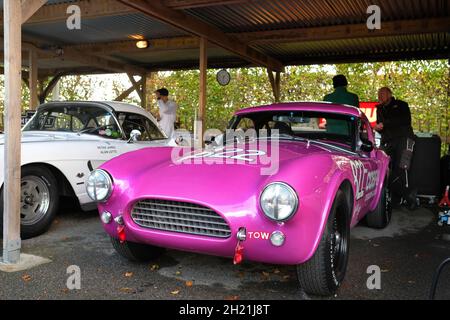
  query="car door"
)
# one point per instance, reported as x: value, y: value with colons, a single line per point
x: 365, y: 169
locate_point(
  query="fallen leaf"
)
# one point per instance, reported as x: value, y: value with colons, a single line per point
x: 154, y: 267
x: 126, y: 290
x: 65, y: 290
x: 175, y: 292
x: 189, y: 283
x: 286, y: 277
x: 128, y: 274
x: 265, y: 274
x: 384, y: 270
x: 232, y: 298
x: 276, y: 271
x: 178, y: 273
x: 26, y: 277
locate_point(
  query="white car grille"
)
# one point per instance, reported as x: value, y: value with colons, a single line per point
x: 180, y: 217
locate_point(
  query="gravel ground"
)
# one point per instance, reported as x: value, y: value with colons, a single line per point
x: 407, y: 252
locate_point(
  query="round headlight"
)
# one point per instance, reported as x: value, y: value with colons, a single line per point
x: 99, y: 185
x: 279, y: 201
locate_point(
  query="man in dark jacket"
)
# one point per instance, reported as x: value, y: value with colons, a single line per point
x: 394, y: 125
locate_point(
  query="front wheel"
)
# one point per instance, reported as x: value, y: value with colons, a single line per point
x: 324, y: 272
x: 136, y: 252
x: 39, y: 201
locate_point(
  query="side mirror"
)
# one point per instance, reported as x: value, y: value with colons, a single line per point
x: 210, y: 140
x: 134, y: 136
x: 367, y: 146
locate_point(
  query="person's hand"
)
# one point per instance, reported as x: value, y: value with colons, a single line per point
x: 379, y: 127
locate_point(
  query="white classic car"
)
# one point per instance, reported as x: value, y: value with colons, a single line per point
x: 63, y: 143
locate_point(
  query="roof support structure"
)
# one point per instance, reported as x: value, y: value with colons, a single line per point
x: 127, y: 92
x: 189, y: 24
x: 275, y: 83
x: 201, y: 114
x: 15, y: 12
x: 33, y: 82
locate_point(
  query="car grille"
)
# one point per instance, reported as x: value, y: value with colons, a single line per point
x: 181, y: 217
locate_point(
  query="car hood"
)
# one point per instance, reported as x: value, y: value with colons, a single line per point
x: 162, y: 171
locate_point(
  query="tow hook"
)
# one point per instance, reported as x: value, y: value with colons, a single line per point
x: 120, y: 228
x: 239, y: 251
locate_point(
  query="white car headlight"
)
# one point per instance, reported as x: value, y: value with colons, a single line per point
x: 279, y: 201
x: 99, y: 185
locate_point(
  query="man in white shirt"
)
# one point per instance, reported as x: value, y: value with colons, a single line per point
x: 167, y: 111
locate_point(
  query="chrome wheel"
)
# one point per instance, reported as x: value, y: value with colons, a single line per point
x: 34, y: 199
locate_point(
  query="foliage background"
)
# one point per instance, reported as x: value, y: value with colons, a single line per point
x: 423, y: 84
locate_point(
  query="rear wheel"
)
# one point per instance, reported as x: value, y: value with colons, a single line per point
x: 136, y: 252
x: 39, y: 201
x: 324, y: 272
x: 381, y: 216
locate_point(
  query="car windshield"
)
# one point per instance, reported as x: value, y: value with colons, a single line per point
x: 325, y: 127
x: 132, y: 121
x: 78, y: 119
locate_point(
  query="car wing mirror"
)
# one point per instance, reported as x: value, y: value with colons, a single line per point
x: 135, y: 135
x: 367, y: 146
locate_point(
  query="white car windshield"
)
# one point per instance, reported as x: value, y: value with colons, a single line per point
x: 77, y: 119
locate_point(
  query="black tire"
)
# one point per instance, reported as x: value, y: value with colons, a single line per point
x: 136, y: 252
x: 47, y: 187
x: 324, y: 272
x: 381, y: 216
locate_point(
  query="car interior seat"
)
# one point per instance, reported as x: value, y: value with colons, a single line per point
x: 283, y: 128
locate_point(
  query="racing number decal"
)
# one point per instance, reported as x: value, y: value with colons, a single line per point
x: 364, y: 180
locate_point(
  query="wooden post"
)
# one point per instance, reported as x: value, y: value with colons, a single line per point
x: 200, y: 121
x: 33, y: 72
x: 13, y: 75
x: 275, y: 83
x: 144, y: 91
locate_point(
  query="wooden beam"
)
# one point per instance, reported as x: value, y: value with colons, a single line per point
x: 189, y: 4
x: 50, y: 86
x: 144, y: 92
x: 29, y: 8
x: 137, y: 87
x: 89, y: 10
x: 33, y: 83
x: 127, y: 92
x: 129, y: 46
x: 353, y: 31
x: 189, y: 24
x: 90, y: 60
x: 275, y: 84
x: 12, y: 153
x: 200, y: 121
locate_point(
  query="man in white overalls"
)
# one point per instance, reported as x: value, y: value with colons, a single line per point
x: 167, y: 112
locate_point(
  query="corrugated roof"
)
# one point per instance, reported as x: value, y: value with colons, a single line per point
x: 253, y: 16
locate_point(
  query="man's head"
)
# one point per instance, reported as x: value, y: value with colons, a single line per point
x: 384, y: 95
x: 162, y: 94
x: 339, y: 81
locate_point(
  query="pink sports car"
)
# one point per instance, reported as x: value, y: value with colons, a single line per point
x: 284, y: 185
